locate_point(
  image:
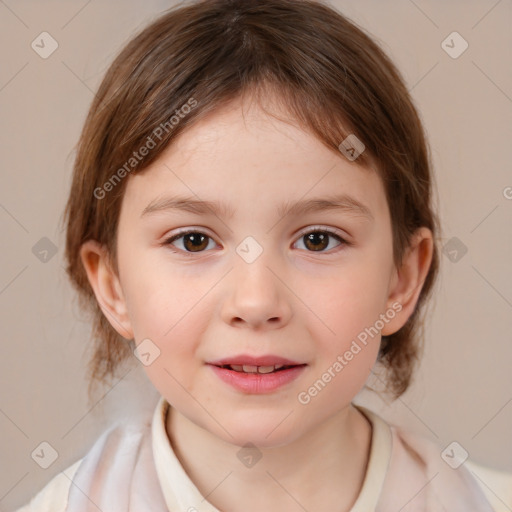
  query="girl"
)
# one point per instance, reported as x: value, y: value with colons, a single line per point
x: 251, y: 218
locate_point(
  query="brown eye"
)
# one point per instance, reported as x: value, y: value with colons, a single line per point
x: 318, y: 240
x: 193, y: 241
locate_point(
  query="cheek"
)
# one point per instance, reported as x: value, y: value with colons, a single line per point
x: 165, y: 308
x: 350, y: 303
x: 348, y: 335
x: 177, y: 340
x: 161, y: 298
x: 171, y: 320
x: 347, y: 343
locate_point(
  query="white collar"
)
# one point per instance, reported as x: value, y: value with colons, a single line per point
x: 181, y: 493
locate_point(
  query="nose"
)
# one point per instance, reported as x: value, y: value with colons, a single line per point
x: 257, y: 296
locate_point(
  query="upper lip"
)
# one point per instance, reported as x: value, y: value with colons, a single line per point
x: 266, y: 360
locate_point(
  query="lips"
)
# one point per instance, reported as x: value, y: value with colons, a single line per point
x: 254, y: 379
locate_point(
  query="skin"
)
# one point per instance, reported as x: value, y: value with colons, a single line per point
x: 292, y: 301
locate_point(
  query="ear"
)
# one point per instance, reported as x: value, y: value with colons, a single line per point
x: 406, y: 283
x: 106, y: 286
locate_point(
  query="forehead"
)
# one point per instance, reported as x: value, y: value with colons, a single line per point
x: 242, y: 155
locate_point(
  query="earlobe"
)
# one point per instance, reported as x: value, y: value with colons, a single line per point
x: 407, y: 282
x: 106, y: 286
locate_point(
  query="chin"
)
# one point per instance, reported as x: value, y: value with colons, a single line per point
x: 262, y: 433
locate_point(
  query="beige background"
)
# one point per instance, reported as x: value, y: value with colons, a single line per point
x: 463, y: 390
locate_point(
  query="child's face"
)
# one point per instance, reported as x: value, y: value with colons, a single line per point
x: 292, y: 302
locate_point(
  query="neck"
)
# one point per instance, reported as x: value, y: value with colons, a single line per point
x: 323, y: 469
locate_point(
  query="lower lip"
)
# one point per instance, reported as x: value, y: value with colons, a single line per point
x: 258, y: 383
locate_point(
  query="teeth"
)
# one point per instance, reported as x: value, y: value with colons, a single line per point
x: 250, y: 369
x: 265, y: 369
x: 246, y: 368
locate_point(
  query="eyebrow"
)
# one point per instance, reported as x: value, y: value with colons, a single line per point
x: 341, y: 202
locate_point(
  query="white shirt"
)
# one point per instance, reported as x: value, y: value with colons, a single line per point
x: 393, y: 465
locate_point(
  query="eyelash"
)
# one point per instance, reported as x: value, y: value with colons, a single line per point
x: 314, y: 229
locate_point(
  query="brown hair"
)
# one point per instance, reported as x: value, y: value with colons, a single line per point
x: 324, y: 70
